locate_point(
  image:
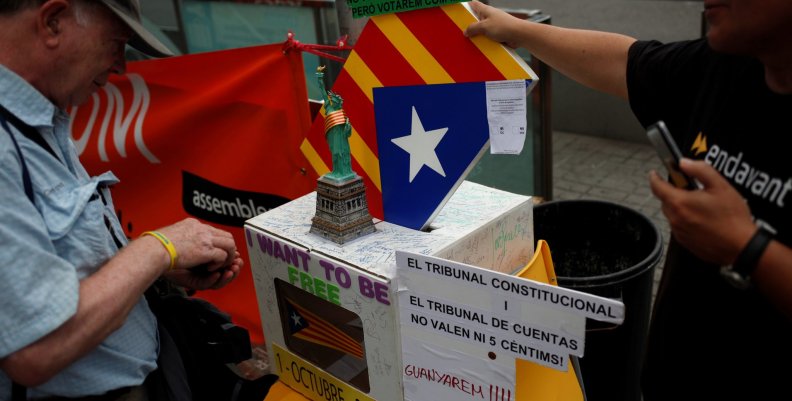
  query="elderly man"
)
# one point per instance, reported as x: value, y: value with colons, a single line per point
x: 74, y: 321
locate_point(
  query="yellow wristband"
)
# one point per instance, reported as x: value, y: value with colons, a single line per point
x: 167, y: 244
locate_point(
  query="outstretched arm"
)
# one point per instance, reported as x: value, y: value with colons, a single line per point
x: 595, y: 59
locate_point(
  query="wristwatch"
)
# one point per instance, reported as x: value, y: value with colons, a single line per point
x: 739, y: 273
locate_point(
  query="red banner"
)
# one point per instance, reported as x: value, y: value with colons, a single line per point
x: 214, y: 136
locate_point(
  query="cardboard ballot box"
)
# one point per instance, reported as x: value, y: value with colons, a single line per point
x: 329, y: 312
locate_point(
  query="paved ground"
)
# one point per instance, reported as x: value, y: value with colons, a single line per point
x: 586, y: 167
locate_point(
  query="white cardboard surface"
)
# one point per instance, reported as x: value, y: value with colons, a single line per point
x: 489, y: 227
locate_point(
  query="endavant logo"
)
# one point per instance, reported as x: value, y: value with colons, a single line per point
x: 116, y: 120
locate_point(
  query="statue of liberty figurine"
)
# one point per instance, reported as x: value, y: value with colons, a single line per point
x: 341, y: 206
x: 337, y: 132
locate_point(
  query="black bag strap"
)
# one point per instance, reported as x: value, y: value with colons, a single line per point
x: 25, y: 174
x: 26, y: 130
x: 32, y: 134
x: 18, y: 391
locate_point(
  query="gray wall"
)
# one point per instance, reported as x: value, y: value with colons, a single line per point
x: 582, y: 110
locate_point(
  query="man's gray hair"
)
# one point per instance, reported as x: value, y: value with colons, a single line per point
x: 12, y: 6
x: 81, y: 13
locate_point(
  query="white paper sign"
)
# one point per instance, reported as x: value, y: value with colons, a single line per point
x: 448, y: 278
x: 506, y: 114
x: 451, y: 314
x: 478, y: 326
x: 456, y: 306
x: 427, y: 376
x: 461, y: 334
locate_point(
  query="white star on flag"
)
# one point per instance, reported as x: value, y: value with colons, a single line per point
x: 421, y: 144
x: 297, y: 319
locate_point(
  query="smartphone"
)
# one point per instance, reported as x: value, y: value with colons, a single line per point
x: 669, y: 153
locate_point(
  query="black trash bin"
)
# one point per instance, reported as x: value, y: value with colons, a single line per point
x: 609, y: 250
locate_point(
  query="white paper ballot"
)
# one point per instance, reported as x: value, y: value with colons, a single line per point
x: 506, y: 114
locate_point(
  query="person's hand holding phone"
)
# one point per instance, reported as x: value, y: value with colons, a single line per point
x: 670, y: 155
x: 714, y: 222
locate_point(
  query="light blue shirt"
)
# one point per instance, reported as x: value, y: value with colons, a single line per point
x: 47, y: 248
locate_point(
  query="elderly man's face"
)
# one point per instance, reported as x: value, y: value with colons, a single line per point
x: 749, y: 27
x: 93, y: 49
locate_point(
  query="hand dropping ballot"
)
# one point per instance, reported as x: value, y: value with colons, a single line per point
x: 464, y: 327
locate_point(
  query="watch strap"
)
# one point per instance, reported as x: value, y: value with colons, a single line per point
x: 749, y: 257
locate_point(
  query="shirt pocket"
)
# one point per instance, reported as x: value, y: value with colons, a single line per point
x: 74, y: 215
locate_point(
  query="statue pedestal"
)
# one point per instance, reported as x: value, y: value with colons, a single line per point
x: 341, y: 210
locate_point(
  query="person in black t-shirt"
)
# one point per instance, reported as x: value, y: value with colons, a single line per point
x: 722, y: 321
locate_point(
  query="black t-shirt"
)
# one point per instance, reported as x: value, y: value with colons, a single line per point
x: 719, y: 109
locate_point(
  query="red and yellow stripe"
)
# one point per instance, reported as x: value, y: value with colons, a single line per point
x: 425, y: 46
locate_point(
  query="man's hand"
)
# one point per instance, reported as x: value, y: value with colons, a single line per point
x: 714, y: 223
x: 206, y: 279
x: 199, y: 244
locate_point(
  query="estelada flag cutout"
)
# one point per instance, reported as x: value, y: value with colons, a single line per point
x: 429, y: 137
x: 426, y: 46
x: 309, y: 326
x: 214, y: 136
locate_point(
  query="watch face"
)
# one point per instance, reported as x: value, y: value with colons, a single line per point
x: 734, y: 278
